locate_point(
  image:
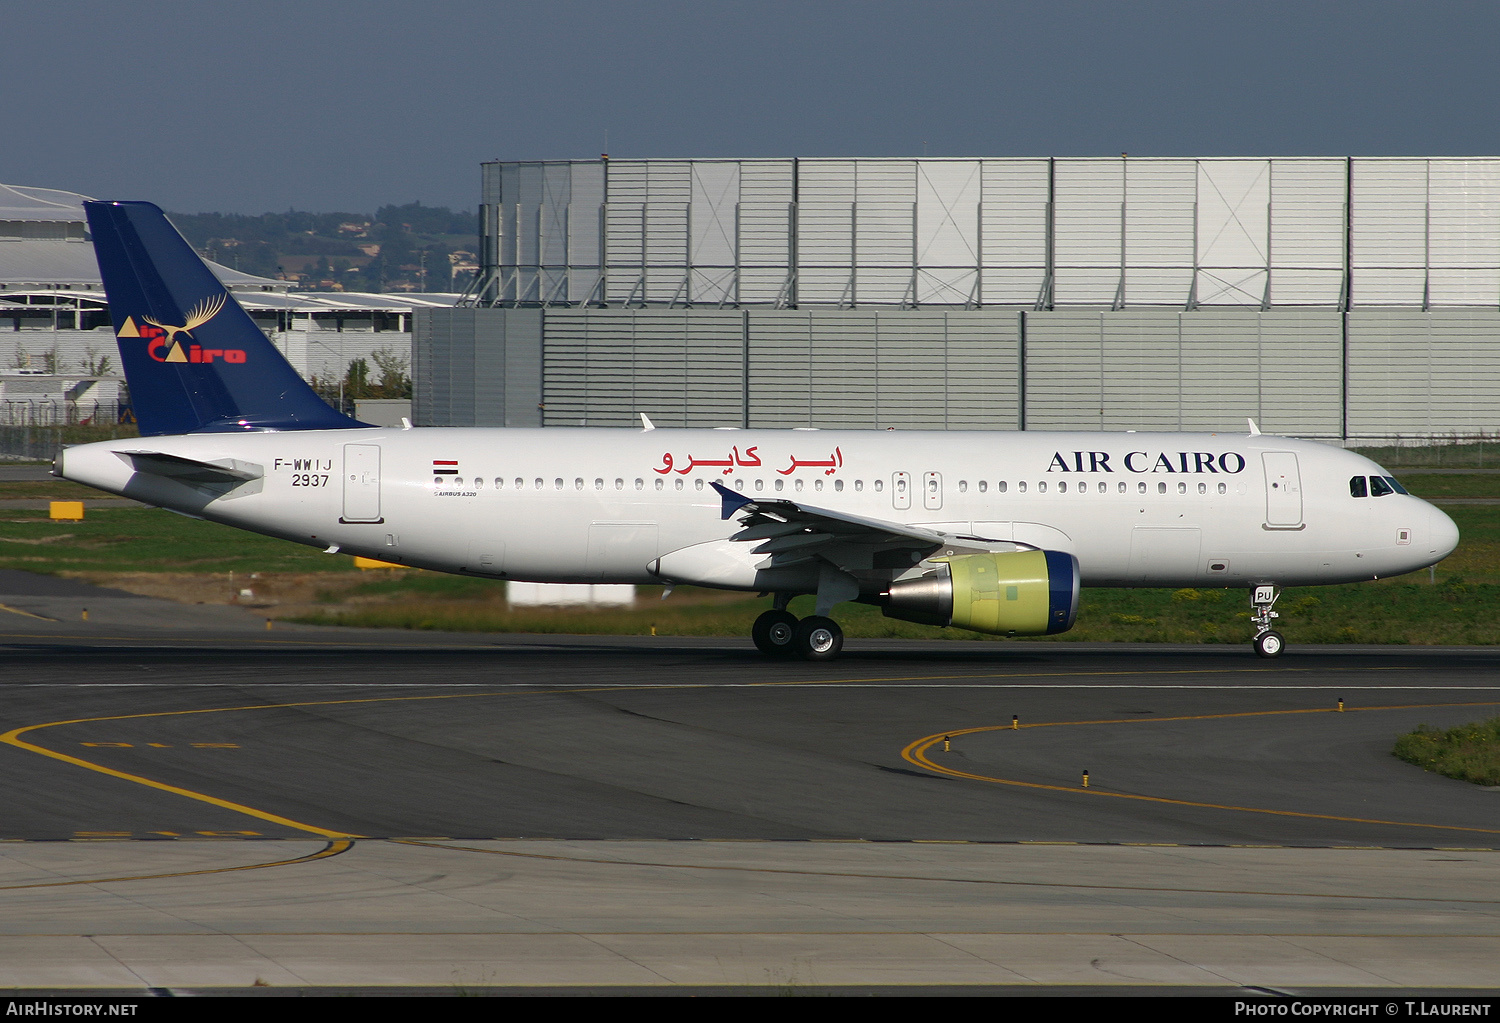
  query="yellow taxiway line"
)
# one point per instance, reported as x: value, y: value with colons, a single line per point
x: 916, y: 753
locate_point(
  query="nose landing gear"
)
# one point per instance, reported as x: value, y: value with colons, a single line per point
x: 1267, y: 642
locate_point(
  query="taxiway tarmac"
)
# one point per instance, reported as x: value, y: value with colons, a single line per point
x: 195, y: 803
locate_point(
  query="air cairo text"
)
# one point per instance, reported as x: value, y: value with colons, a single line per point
x: 1229, y: 462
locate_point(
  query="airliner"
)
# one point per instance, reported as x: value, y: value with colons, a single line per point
x: 990, y: 532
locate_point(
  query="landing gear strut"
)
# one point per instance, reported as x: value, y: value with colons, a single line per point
x: 1267, y: 642
x: 779, y: 633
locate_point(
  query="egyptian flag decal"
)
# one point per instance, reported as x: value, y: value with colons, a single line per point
x: 441, y: 467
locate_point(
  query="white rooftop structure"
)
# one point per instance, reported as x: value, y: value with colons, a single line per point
x: 44, y: 247
x: 54, y: 318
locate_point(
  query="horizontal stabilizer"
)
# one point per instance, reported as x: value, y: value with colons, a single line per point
x: 189, y: 470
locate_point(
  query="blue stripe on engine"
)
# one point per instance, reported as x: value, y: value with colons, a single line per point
x: 1062, y: 582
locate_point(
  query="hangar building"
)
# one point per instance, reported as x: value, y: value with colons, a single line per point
x: 1340, y: 298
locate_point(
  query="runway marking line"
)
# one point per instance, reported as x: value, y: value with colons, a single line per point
x: 739, y: 868
x: 916, y: 753
x: 13, y: 738
x: 28, y: 614
x: 333, y: 848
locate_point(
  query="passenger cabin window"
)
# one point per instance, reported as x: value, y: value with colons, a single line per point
x: 1379, y: 487
x: 1002, y: 486
x: 1357, y: 487
x: 983, y: 486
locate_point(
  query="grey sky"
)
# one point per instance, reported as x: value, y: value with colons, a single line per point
x: 267, y: 105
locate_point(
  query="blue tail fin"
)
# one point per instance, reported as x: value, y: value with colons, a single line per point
x: 194, y: 359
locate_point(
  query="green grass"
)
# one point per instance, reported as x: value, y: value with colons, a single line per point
x: 1469, y: 752
x: 147, y: 540
x: 1440, y: 485
x: 1452, y: 612
x: 50, y: 490
x: 1477, y: 454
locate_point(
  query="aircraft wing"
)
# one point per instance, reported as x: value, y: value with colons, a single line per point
x: 791, y: 532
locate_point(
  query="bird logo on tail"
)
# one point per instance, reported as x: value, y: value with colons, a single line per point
x: 163, y: 344
x: 196, y: 317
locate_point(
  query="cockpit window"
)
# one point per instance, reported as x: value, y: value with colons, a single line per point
x: 1379, y: 487
x: 1398, y: 488
x: 1357, y: 487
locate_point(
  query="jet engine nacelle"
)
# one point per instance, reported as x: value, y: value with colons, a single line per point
x: 1016, y: 593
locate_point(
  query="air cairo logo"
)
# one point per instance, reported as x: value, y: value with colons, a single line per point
x: 163, y: 344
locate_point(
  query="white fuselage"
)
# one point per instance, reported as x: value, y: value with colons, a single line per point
x: 602, y: 505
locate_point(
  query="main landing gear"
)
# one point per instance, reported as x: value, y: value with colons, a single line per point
x: 781, y: 634
x: 1267, y: 642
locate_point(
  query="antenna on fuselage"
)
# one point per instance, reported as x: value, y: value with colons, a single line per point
x: 646, y: 424
x: 1254, y: 430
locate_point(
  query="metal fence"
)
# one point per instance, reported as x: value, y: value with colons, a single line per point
x: 54, y: 412
x: 39, y: 429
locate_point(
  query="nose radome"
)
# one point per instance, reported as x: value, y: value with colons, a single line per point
x: 1442, y: 533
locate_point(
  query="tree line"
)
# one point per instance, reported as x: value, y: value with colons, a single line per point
x: 398, y: 248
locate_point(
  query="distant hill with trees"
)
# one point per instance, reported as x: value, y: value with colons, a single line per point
x: 399, y: 248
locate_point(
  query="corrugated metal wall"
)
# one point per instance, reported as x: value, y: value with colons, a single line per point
x: 1185, y: 371
x: 477, y: 367
x: 1419, y: 374
x: 1325, y: 297
x: 1027, y: 233
x: 1368, y: 374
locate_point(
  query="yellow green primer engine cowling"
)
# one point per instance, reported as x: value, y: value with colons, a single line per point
x: 1022, y: 593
